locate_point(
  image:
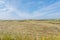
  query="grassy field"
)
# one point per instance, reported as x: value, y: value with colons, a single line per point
x: 30, y: 30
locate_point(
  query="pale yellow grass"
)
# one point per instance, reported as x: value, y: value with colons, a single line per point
x: 30, y: 30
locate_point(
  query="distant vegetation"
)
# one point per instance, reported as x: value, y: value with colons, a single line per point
x: 30, y: 29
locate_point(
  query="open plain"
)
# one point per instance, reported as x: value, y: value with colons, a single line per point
x: 30, y: 30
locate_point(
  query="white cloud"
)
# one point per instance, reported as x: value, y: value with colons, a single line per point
x: 53, y: 16
x: 7, y: 12
x: 47, y: 10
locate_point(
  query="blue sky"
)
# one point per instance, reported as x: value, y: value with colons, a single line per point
x: 29, y: 9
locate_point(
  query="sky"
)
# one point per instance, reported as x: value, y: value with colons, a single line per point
x: 29, y: 9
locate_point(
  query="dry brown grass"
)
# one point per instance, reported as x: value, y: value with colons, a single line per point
x: 30, y: 30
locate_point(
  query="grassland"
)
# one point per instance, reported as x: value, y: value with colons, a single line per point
x: 30, y: 30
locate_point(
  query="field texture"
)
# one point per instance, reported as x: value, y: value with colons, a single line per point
x: 30, y: 30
